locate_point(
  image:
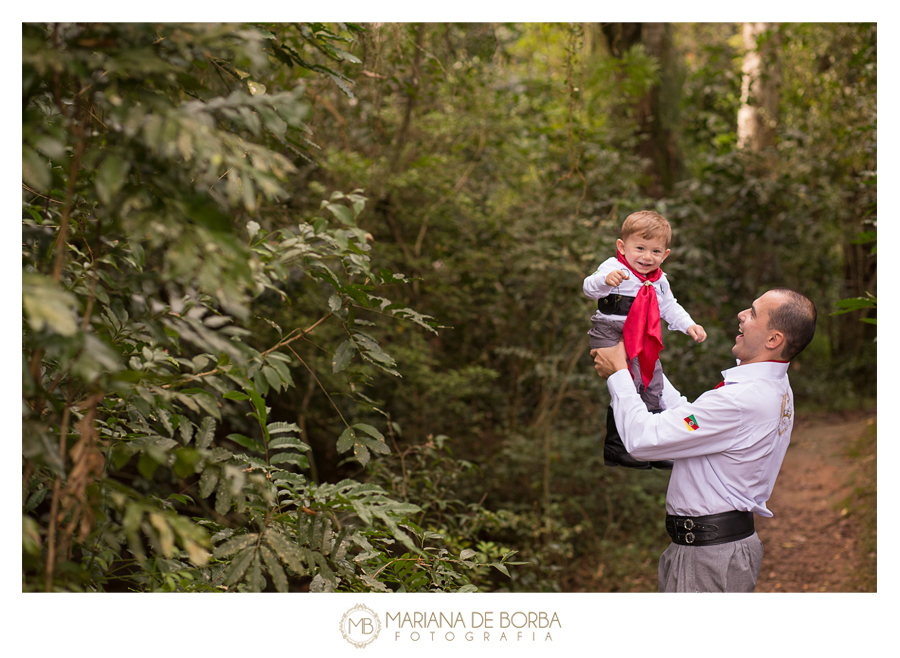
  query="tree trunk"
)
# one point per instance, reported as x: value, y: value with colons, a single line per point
x: 760, y: 88
x: 654, y: 121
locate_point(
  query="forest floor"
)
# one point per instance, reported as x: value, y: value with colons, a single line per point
x: 823, y: 499
x: 823, y: 532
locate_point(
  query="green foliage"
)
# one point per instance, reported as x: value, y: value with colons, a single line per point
x: 857, y: 304
x: 144, y: 254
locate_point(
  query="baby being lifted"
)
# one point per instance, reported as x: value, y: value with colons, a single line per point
x: 633, y: 295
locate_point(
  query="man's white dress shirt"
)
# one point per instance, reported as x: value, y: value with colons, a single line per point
x: 728, y: 444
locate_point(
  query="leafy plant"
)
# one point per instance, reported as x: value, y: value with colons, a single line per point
x: 147, y: 163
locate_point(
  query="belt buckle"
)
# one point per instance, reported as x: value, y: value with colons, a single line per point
x: 688, y: 524
x: 689, y: 538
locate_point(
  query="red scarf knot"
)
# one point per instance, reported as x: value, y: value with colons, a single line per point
x: 642, y: 332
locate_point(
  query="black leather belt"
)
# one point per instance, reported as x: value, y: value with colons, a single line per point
x: 711, y: 529
x: 615, y: 304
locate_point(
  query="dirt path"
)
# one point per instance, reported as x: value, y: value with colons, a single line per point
x: 811, y: 544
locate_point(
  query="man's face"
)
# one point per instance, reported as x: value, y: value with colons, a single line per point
x: 756, y: 342
x: 644, y: 255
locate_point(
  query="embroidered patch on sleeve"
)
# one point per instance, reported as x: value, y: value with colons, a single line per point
x: 691, y: 423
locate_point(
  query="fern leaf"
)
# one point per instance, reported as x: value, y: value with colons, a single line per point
x: 327, y: 534
x: 186, y: 429
x: 255, y: 579
x: 288, y: 552
x: 274, y: 568
x: 319, y: 584
x: 339, y: 547
x: 315, y: 534
x: 362, y: 512
x: 395, y: 530
x: 254, y: 461
x: 281, y: 457
x: 223, y: 497
x: 288, y: 442
x: 285, y: 477
x: 247, y: 442
x: 208, y: 482
x: 164, y: 419
x: 221, y: 535
x: 234, y: 545
x: 239, y: 565
x: 361, y: 489
x: 303, y: 528
x: 278, y: 428
x: 325, y: 570
x: 373, y: 583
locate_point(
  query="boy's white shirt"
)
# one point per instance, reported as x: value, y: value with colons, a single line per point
x: 669, y: 309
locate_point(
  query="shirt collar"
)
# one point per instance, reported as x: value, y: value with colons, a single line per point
x: 750, y: 371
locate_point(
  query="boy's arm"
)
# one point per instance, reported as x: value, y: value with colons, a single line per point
x: 595, y: 285
x: 673, y: 313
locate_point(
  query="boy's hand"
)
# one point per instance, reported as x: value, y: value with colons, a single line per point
x: 616, y: 277
x: 697, y: 332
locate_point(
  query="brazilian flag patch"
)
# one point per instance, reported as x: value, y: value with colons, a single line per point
x: 691, y: 423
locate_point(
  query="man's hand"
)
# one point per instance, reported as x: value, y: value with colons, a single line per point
x: 697, y: 332
x: 616, y: 277
x: 608, y: 360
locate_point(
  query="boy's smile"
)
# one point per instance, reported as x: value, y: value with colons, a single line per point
x: 644, y: 255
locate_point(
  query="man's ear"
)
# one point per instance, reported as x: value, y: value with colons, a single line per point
x: 775, y: 341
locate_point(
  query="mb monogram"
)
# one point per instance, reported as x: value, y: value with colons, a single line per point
x: 360, y: 626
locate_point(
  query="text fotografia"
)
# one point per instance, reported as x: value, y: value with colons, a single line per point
x: 480, y: 626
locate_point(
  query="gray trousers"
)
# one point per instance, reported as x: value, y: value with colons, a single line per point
x: 731, y: 567
x: 606, y: 333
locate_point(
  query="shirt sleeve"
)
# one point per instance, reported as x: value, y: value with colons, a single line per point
x: 595, y: 284
x: 672, y: 312
x: 709, y: 425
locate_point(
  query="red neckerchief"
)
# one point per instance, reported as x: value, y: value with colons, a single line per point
x: 642, y: 331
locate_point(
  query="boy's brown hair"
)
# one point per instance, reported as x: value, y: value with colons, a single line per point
x: 649, y: 225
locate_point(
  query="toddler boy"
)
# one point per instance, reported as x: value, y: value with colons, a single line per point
x: 633, y: 294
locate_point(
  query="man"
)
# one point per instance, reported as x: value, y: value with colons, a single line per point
x: 727, y: 445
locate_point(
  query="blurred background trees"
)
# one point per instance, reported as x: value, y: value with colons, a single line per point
x: 302, y: 303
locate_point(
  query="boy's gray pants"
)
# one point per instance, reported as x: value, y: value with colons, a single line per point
x: 606, y: 333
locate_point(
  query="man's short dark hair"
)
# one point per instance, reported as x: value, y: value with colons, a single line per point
x: 796, y: 319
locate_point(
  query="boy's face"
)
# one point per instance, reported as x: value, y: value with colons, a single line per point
x: 643, y: 254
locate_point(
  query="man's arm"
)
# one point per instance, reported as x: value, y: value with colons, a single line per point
x: 709, y: 425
